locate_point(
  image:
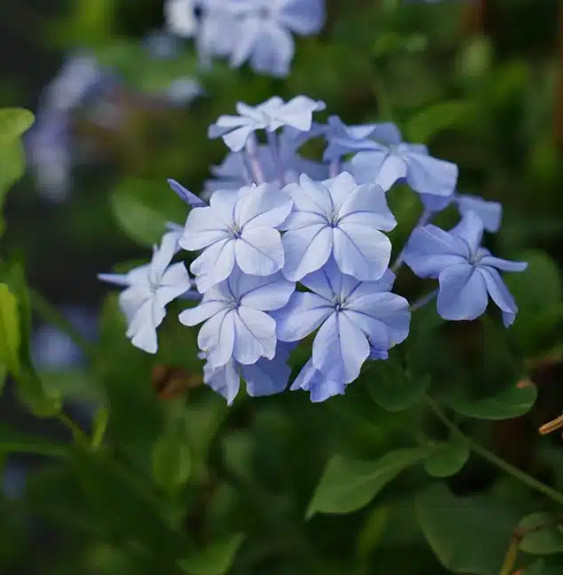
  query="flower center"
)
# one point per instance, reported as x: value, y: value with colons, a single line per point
x: 333, y: 220
x: 476, y: 258
x: 234, y: 304
x: 235, y: 230
x: 337, y: 304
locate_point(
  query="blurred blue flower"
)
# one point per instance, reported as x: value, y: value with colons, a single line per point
x: 337, y: 217
x: 239, y: 227
x: 236, y: 323
x: 382, y: 158
x: 180, y: 17
x: 354, y: 317
x: 467, y: 273
x: 149, y: 289
x: 270, y: 116
x: 265, y: 377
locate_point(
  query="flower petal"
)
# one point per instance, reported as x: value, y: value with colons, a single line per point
x: 259, y: 251
x: 306, y: 250
x: 255, y: 335
x: 340, y: 189
x: 366, y: 165
x: 266, y: 377
x: 504, y: 265
x: 393, y: 168
x: 203, y: 228
x: 266, y: 206
x: 214, y: 265
x: 217, y: 338
x: 463, y: 293
x: 265, y: 293
x: 200, y: 313
x: 312, y: 380
x: 428, y: 175
x: 500, y: 294
x: 224, y: 380
x: 329, y: 282
x: 367, y: 206
x: 489, y: 212
x: 340, y: 349
x: 303, y: 314
x: 470, y: 229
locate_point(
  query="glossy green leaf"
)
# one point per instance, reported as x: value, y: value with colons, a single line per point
x: 14, y: 122
x: 542, y: 536
x: 508, y: 404
x: 143, y: 208
x: 447, y: 458
x: 10, y: 335
x: 347, y: 485
x: 215, y: 559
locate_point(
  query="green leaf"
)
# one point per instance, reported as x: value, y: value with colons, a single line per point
x: 143, y: 208
x: 3, y: 374
x: 447, y: 458
x: 435, y: 119
x: 347, y: 485
x: 392, y: 388
x: 216, y: 559
x: 544, y: 538
x: 508, y: 404
x: 13, y: 123
x: 12, y: 167
x: 99, y: 426
x: 171, y: 456
x: 467, y: 535
x: 9, y: 331
x: 14, y: 441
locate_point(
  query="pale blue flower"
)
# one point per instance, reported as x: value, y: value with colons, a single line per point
x: 265, y: 377
x: 239, y: 227
x: 337, y: 217
x: 354, y: 317
x: 270, y: 116
x: 467, y: 272
x: 185, y: 195
x: 149, y: 289
x: 236, y: 323
x: 382, y: 158
x: 265, y: 32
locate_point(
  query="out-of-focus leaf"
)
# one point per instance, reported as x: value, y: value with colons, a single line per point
x: 99, y: 426
x: 544, y: 537
x: 447, y: 458
x: 13, y: 123
x: 143, y: 209
x: 216, y: 559
x: 12, y: 167
x: 9, y: 330
x: 468, y: 535
x: 347, y: 485
x: 14, y: 441
x: 508, y: 404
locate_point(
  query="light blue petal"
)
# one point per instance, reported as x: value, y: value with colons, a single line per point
x: 251, y: 31
x: 311, y: 196
x: 163, y: 256
x: 431, y: 250
x: 360, y: 251
x: 115, y: 279
x: 504, y: 265
x: 297, y: 113
x: 142, y: 329
x: 255, y: 335
x: 306, y: 250
x: 217, y: 338
x: 175, y: 282
x: 367, y: 205
x: 214, y: 265
x: 267, y: 377
x: 224, y: 380
x: 132, y: 299
x: 236, y: 139
x: 340, y: 349
x: 329, y: 282
x: 202, y: 312
x: 273, y: 50
x: 433, y: 203
x: 224, y: 203
x: 367, y: 165
x: 304, y: 313
x: 340, y: 189
x: 392, y: 169
x: 265, y: 293
x: 259, y: 251
x: 470, y: 229
x: 203, y: 228
x: 312, y: 380
x: 500, y: 294
x: 185, y: 194
x: 463, y: 293
x: 266, y: 206
x: 303, y: 18
x: 428, y: 175
x: 489, y: 212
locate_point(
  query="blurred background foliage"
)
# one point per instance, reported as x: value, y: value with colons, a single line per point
x: 171, y: 480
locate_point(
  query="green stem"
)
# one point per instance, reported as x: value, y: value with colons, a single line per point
x: 483, y: 452
x: 50, y: 314
x: 78, y: 435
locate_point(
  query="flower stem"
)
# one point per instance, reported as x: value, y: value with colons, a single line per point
x: 274, y: 145
x: 489, y: 456
x: 423, y: 300
x: 424, y: 219
x: 253, y: 161
x: 334, y: 168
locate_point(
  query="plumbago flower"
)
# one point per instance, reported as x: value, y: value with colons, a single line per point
x: 467, y: 272
x: 337, y: 217
x: 239, y: 227
x: 236, y: 323
x: 149, y: 289
x: 275, y: 219
x: 353, y: 317
x: 269, y: 116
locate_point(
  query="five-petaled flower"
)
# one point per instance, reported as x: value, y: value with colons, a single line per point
x: 354, y: 318
x: 270, y: 116
x: 236, y: 323
x: 337, y: 217
x: 467, y: 273
x: 149, y: 288
x: 239, y: 227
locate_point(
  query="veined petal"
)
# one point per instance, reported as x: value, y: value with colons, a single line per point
x: 255, y: 335
x: 298, y: 112
x: 272, y: 54
x: 329, y: 282
x: 224, y: 202
x: 367, y: 206
x: 259, y: 251
x: 217, y: 337
x: 224, y: 380
x: 361, y: 289
x: 366, y: 165
x: 142, y: 329
x: 470, y: 229
x: 312, y: 380
x: 489, y: 212
x: 265, y: 293
x: 236, y: 139
x: 298, y: 220
x: 428, y: 175
x: 306, y: 250
x: 340, y: 189
x: 392, y: 168
x: 311, y: 196
x: 200, y: 313
x: 500, y: 294
x: 340, y: 349
x: 463, y: 293
x: 266, y: 206
x: 360, y: 251
x: 184, y: 194
x: 203, y: 228
x: 303, y: 314
x: 132, y: 299
x: 504, y: 265
x: 214, y: 265
x: 266, y: 377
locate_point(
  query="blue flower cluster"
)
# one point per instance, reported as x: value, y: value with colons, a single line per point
x: 255, y: 31
x: 289, y: 247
